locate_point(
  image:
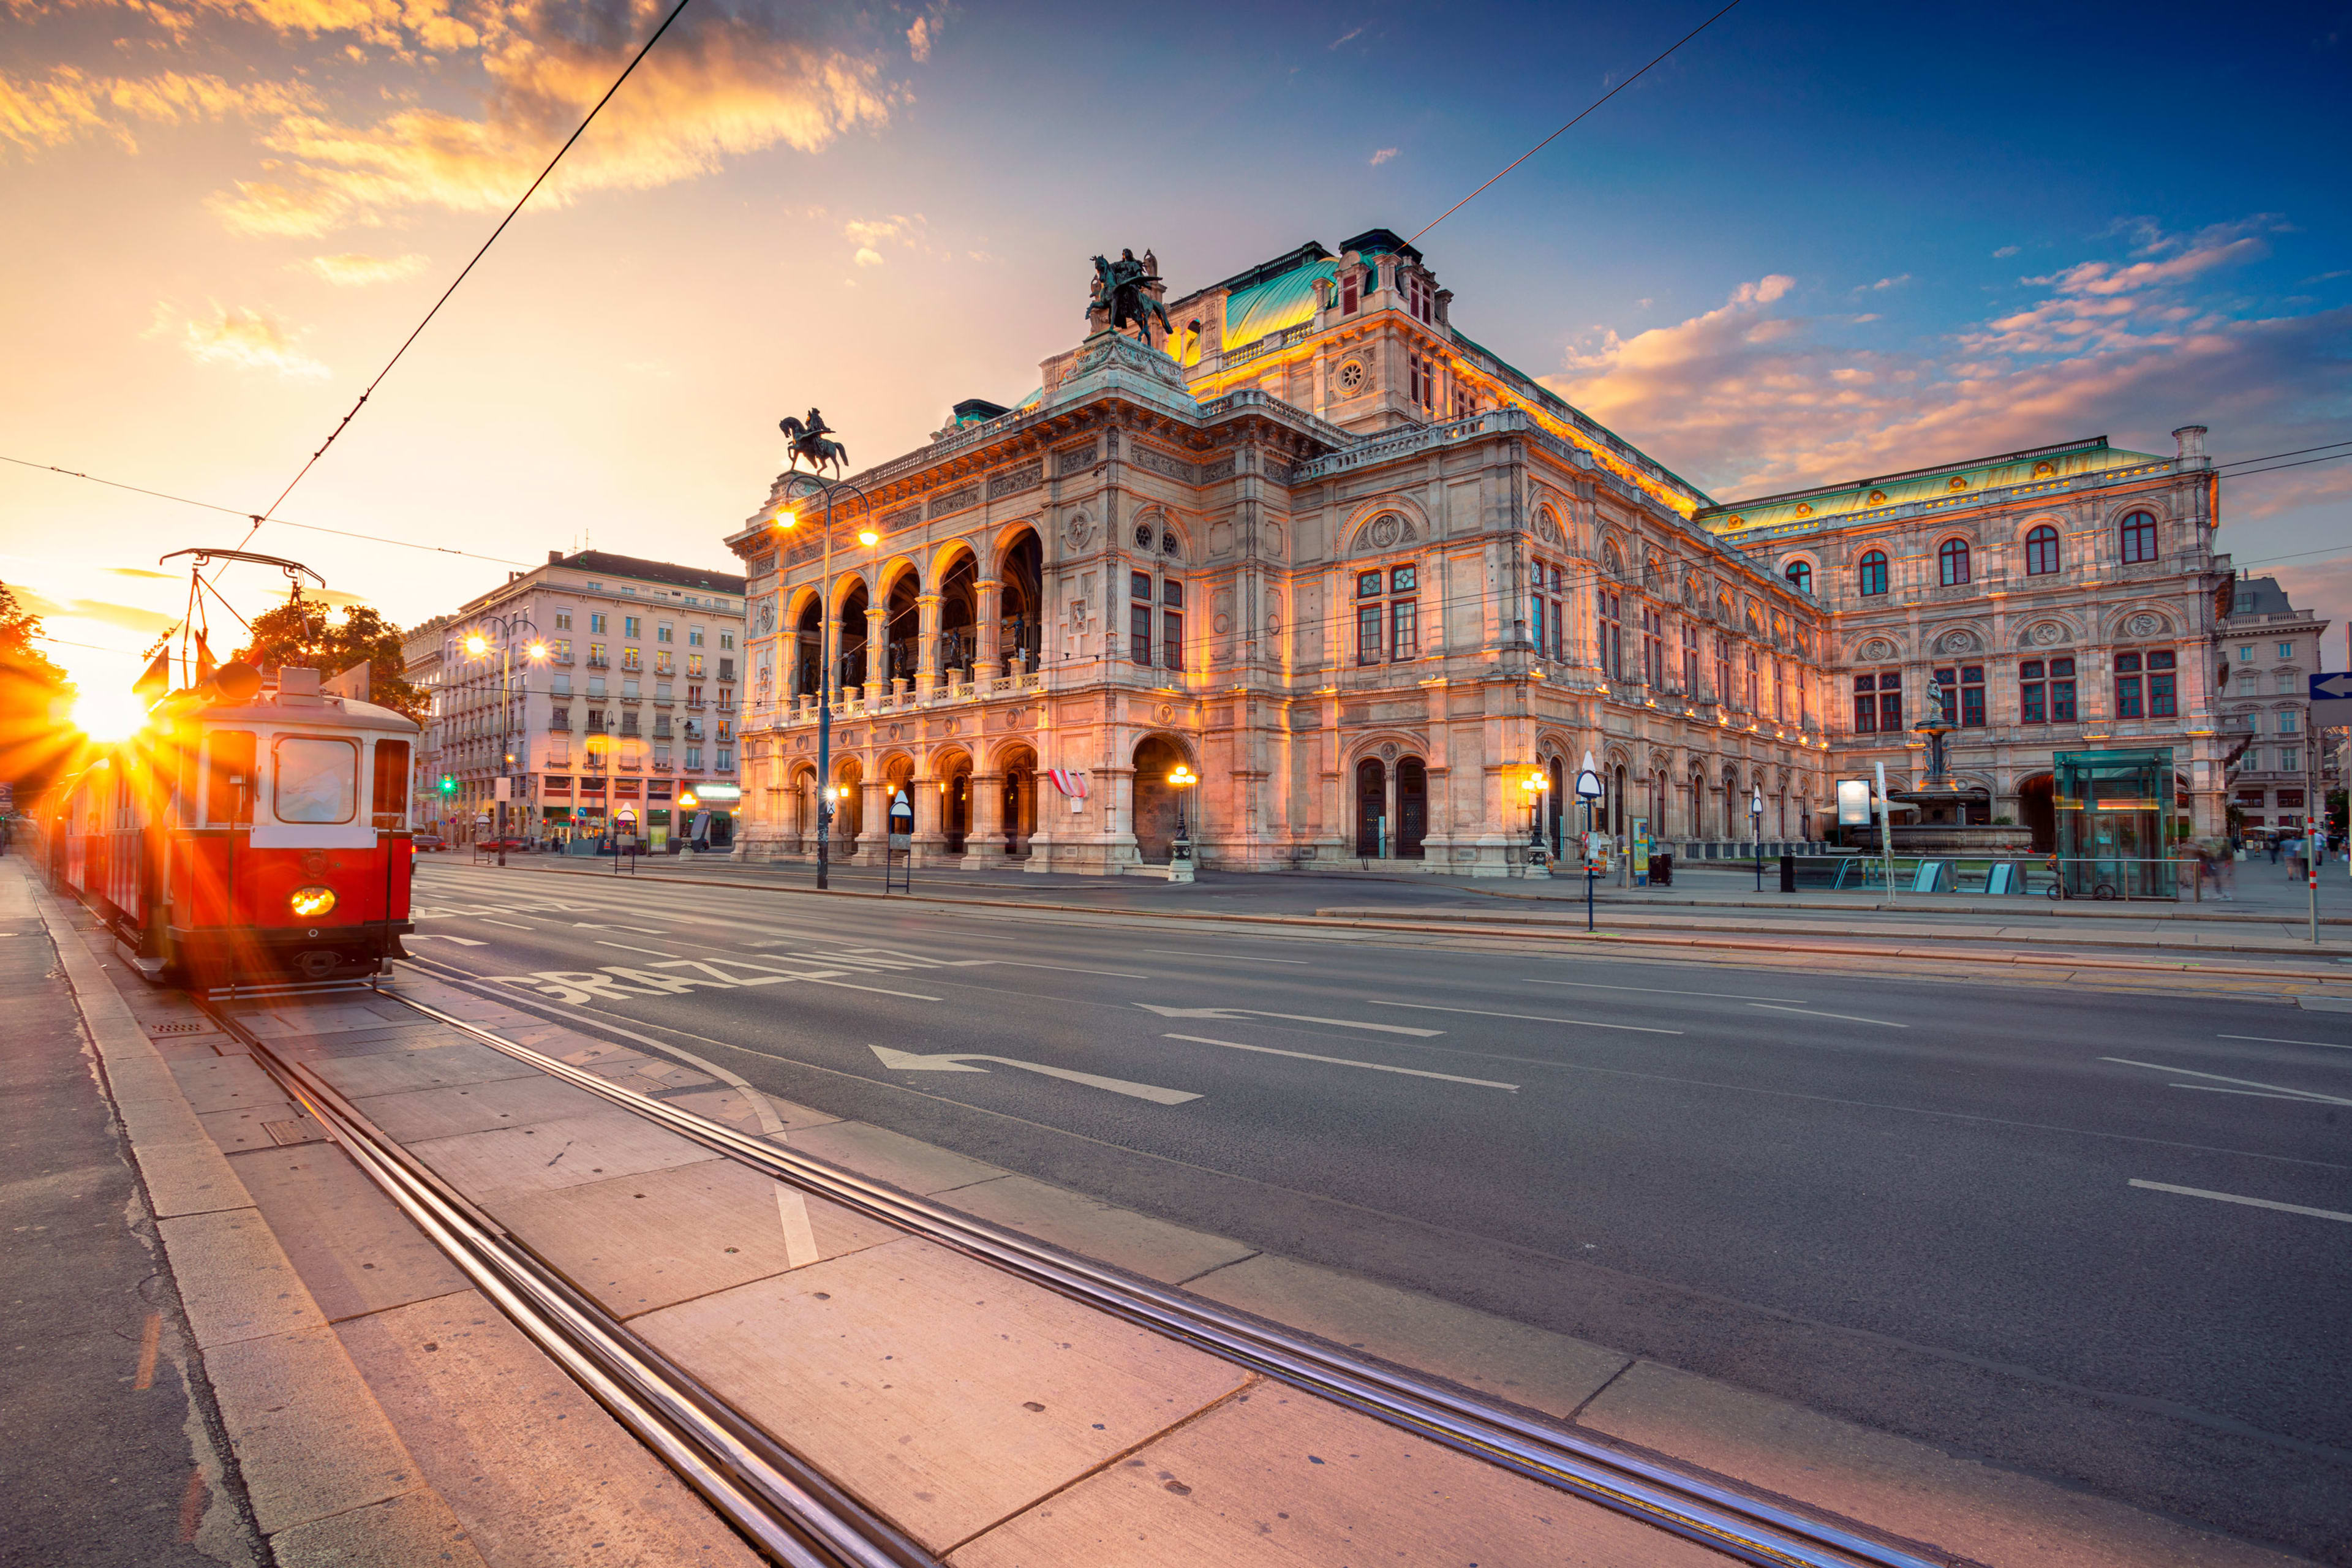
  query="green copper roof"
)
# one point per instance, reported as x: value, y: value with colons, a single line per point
x: 1833, y: 504
x: 1267, y: 308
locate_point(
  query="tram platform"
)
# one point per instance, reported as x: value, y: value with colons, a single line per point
x: 994, y: 1421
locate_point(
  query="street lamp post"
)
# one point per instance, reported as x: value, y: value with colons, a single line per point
x: 1180, y: 855
x: 1535, y: 784
x: 1587, y: 790
x: 1755, y: 822
x: 813, y: 486
x: 475, y: 645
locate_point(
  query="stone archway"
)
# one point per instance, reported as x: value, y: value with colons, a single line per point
x: 1371, y: 806
x: 1157, y: 802
x: 2037, y: 810
x: 848, y: 806
x: 1019, y: 806
x: 955, y: 802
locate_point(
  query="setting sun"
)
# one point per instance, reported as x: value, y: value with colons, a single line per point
x: 108, y: 715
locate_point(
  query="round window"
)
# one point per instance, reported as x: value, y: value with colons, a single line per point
x: 1351, y: 377
x: 1143, y: 536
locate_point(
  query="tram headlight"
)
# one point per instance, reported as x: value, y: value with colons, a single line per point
x: 311, y: 902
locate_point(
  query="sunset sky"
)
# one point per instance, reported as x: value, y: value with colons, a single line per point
x: 1821, y: 241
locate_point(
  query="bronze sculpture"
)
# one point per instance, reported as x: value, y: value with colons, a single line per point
x: 1119, y: 291
x: 810, y: 441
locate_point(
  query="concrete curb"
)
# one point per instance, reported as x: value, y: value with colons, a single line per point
x: 1525, y: 930
x: 313, y: 1446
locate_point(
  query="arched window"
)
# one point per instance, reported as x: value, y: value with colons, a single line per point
x: 1873, y: 571
x: 1799, y: 574
x: 2137, y: 535
x: 1952, y: 562
x: 2041, y: 551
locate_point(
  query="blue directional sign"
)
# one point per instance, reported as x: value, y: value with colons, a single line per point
x: 2331, y: 699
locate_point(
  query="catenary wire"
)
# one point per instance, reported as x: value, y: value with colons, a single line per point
x: 265, y: 515
x: 2299, y: 451
x: 1564, y: 130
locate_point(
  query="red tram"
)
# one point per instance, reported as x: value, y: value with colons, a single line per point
x: 246, y: 834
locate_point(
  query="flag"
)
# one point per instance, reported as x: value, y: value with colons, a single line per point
x: 205, y: 663
x: 150, y: 686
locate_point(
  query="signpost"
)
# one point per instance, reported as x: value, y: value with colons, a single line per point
x: 1756, y: 823
x: 1885, y: 831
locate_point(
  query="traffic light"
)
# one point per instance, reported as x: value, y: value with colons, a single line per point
x: 448, y: 784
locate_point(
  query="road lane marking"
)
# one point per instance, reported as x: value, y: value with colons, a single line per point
x: 1530, y: 1018
x: 443, y: 936
x: 641, y: 931
x: 2249, y: 1093
x: 2283, y: 1091
x: 625, y: 947
x: 819, y: 979
x: 1812, y: 1013
x: 1344, y: 1062
x: 2235, y: 1198
x: 2274, y: 1040
x: 959, y: 1061
x: 1661, y: 990
x: 1017, y: 964
x: 1237, y: 1015
x: 508, y: 924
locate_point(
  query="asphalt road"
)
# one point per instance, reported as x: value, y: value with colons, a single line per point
x: 1952, y: 1211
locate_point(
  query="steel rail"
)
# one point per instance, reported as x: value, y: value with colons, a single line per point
x: 1752, y: 1528
x: 780, y: 1503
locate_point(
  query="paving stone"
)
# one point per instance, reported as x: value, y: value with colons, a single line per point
x: 420, y: 1114
x: 1529, y: 1366
x: 539, y: 1475
x: 311, y: 1441
x: 432, y: 1067
x: 569, y: 1151
x: 1282, y: 1480
x: 647, y: 1241
x: 903, y: 1162
x: 1092, y: 1228
x: 1908, y: 1489
x: 945, y: 1393
x: 405, y: 1532
x: 189, y: 1177
x: 355, y: 1251
x: 234, y: 1279
x: 246, y: 1126
x: 223, y: 1083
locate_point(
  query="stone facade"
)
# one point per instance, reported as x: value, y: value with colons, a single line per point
x: 2268, y: 649
x: 1367, y: 581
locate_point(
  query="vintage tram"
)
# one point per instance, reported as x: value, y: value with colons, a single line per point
x: 249, y: 833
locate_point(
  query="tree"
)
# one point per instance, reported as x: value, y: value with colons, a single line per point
x: 32, y: 691
x: 301, y: 633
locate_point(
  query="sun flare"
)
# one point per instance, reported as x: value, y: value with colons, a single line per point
x: 104, y: 715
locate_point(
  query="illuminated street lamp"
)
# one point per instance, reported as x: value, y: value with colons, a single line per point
x: 1535, y: 784
x: 476, y: 645
x: 1181, y: 778
x: 812, y: 487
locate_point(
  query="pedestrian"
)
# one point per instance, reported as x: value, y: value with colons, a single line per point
x: 2225, y: 873
x: 2275, y: 849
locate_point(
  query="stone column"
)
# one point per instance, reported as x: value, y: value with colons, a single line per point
x: 926, y: 643
x: 873, y: 834
x: 931, y: 839
x: 984, y: 613
x: 877, y: 634
x: 987, y: 835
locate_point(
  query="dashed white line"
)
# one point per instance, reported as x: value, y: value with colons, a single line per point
x: 1529, y: 1017
x: 1662, y: 991
x: 1343, y: 1061
x: 2274, y: 1040
x: 625, y: 947
x: 2239, y: 1199
x: 2278, y: 1090
x: 1812, y: 1013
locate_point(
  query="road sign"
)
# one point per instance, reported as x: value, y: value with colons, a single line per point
x: 2331, y: 699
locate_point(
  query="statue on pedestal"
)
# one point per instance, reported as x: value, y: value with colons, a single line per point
x: 1122, y: 294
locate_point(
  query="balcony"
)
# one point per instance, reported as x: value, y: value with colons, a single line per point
x: 598, y: 663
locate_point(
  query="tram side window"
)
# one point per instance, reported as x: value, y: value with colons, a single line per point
x: 391, y: 796
x: 228, y: 778
x: 317, y: 779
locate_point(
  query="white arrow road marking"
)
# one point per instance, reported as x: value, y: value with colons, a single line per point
x: 1237, y: 1015
x: 2278, y: 1090
x: 1810, y: 1013
x: 2234, y: 1198
x: 625, y: 947
x: 908, y: 1061
x: 443, y: 936
x: 1529, y: 1017
x: 1342, y: 1061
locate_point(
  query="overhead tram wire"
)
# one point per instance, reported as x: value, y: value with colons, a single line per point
x: 1564, y: 130
x: 344, y: 423
x: 235, y: 511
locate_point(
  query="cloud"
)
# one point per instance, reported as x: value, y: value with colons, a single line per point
x: 2006, y: 251
x: 1350, y: 36
x: 351, y: 270
x: 142, y: 571
x: 720, y: 85
x: 918, y: 39
x: 1883, y: 284
x: 1383, y: 156
x: 1747, y: 399
x: 869, y: 234
x: 67, y: 105
x: 103, y: 612
x: 249, y: 338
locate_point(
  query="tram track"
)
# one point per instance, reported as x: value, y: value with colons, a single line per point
x: 784, y: 1505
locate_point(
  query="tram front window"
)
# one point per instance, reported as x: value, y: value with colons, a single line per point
x: 228, y: 778
x: 390, y: 800
x: 317, y: 779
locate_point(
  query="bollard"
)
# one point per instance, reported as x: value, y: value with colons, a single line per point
x: 1787, y: 873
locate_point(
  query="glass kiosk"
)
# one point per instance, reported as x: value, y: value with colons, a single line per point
x: 2112, y: 808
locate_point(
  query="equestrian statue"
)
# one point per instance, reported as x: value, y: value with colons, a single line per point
x: 1120, y: 291
x: 810, y: 441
